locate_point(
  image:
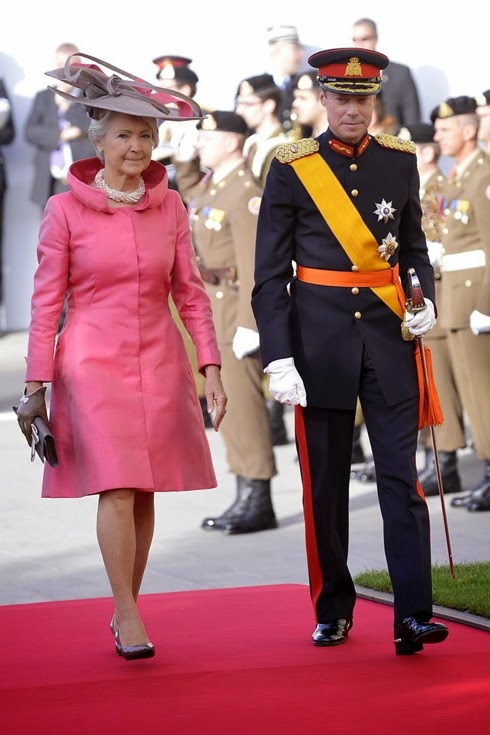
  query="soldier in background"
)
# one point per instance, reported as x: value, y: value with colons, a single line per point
x: 464, y: 307
x: 285, y: 57
x: 451, y: 434
x: 223, y: 207
x: 258, y: 101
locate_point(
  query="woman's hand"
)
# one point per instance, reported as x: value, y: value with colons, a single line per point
x: 32, y: 404
x: 216, y: 398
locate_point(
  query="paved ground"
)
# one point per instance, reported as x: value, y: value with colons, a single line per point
x: 48, y: 549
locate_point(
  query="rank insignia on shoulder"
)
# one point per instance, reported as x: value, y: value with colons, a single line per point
x: 392, y: 141
x: 291, y: 151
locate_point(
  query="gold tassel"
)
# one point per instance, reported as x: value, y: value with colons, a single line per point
x: 430, y: 411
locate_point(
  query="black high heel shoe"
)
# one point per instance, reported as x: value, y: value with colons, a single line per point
x: 142, y: 650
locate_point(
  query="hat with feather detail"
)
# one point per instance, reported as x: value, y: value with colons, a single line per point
x: 121, y: 92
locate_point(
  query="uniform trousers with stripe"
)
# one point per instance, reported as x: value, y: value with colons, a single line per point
x: 324, y: 442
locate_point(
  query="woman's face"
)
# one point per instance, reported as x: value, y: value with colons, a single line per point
x: 127, y: 145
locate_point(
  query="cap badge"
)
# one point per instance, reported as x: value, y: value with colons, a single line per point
x: 387, y: 247
x: 384, y: 210
x: 246, y: 88
x: 167, y: 70
x: 353, y: 68
x: 445, y: 110
x: 209, y: 123
x: 305, y: 82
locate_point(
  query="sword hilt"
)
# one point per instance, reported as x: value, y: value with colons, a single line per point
x: 415, y: 301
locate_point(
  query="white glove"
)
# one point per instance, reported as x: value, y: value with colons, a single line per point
x: 419, y: 322
x: 285, y: 383
x: 245, y: 342
x: 479, y: 322
x: 435, y: 252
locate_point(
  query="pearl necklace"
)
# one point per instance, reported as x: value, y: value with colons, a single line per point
x: 127, y: 197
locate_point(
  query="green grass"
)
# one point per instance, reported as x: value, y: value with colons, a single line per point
x: 469, y: 592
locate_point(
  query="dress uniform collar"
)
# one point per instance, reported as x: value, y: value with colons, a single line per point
x: 346, y: 149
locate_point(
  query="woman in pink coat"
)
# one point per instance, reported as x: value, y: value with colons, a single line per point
x: 124, y: 409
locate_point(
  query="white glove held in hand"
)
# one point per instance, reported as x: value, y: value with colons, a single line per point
x: 479, y: 322
x: 420, y: 322
x: 245, y: 342
x: 285, y: 384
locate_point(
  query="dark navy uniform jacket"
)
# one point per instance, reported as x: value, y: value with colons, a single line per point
x: 317, y: 324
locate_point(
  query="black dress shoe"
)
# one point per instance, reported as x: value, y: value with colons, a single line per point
x: 332, y: 633
x: 477, y: 494
x: 479, y: 504
x: 411, y: 634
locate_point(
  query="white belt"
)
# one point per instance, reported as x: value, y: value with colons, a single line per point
x: 463, y: 261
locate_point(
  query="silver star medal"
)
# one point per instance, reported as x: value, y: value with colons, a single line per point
x: 387, y: 247
x: 384, y: 210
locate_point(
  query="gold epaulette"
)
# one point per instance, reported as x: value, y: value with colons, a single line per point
x: 291, y: 151
x: 397, y: 144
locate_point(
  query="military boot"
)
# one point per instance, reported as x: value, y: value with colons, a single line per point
x: 480, y: 495
x: 451, y: 481
x: 277, y: 423
x: 237, y: 508
x: 258, y: 513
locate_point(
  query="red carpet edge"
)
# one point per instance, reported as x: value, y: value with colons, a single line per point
x: 455, y: 616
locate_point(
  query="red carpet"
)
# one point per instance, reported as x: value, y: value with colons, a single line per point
x: 235, y: 661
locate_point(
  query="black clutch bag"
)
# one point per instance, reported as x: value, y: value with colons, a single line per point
x: 43, y: 443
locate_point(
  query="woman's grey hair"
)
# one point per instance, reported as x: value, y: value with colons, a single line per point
x: 98, y: 129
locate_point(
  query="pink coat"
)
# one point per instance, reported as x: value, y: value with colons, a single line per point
x: 124, y: 406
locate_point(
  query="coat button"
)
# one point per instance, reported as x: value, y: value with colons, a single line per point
x: 353, y: 167
x: 354, y: 192
x: 357, y: 314
x: 355, y: 290
x: 219, y: 294
x: 468, y: 283
x: 355, y: 268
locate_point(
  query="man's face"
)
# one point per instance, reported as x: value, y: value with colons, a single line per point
x: 251, y: 108
x: 349, y: 115
x: 363, y: 36
x: 213, y: 147
x: 285, y: 57
x: 450, y: 135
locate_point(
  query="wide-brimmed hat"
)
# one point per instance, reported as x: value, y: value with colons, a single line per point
x: 131, y: 96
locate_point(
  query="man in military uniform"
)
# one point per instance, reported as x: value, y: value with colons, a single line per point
x: 258, y: 101
x: 465, y: 291
x: 451, y: 434
x: 345, y: 209
x: 223, y: 207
